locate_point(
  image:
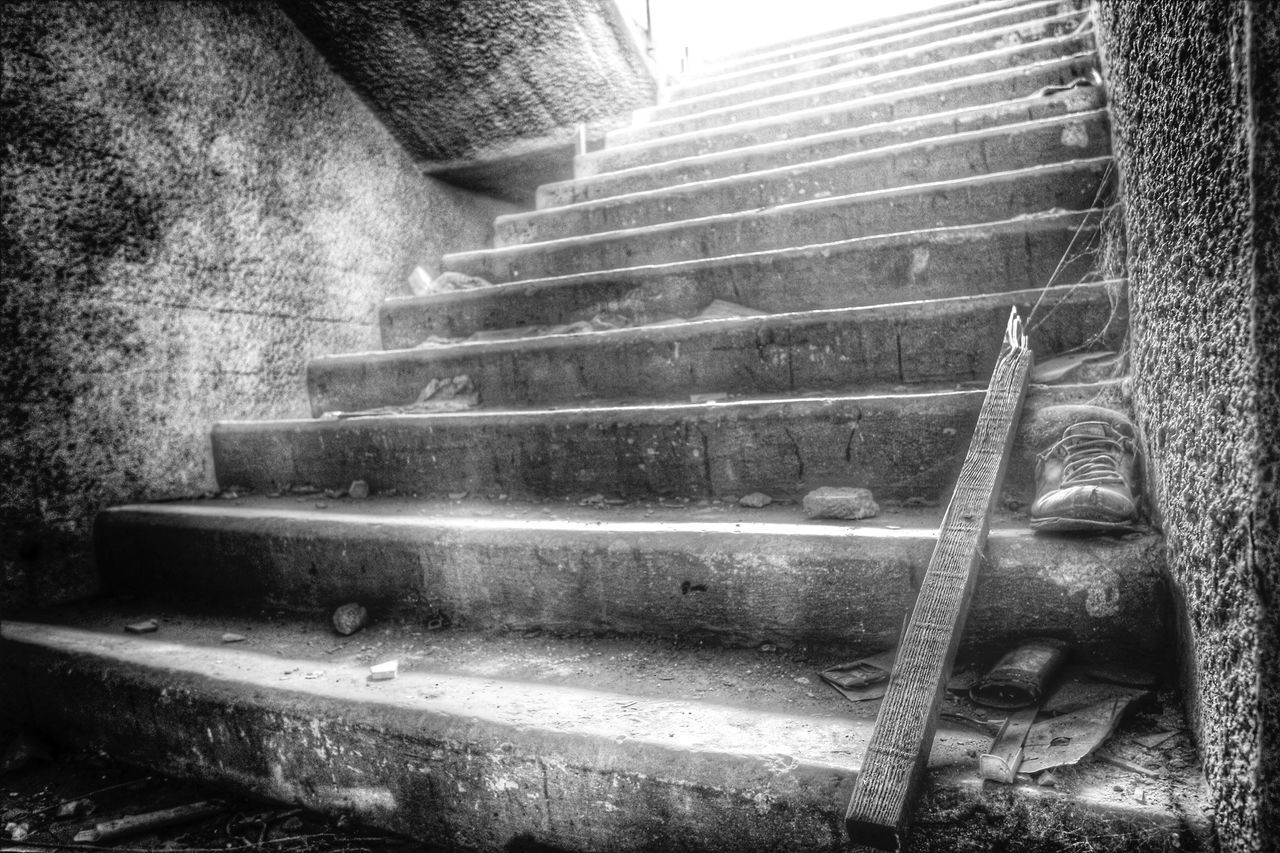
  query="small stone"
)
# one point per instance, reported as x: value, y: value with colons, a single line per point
x: 457, y: 496
x: 74, y: 808
x: 17, y: 831
x: 358, y: 490
x: 845, y: 503
x: 350, y: 618
x: 146, y: 626
x: 755, y: 500
x: 232, y: 638
x: 1047, y: 779
x: 384, y: 671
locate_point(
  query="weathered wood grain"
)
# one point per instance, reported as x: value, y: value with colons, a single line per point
x: 879, y: 811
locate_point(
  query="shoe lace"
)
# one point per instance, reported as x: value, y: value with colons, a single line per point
x: 1090, y: 459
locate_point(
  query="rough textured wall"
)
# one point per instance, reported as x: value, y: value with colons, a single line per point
x: 1184, y: 77
x: 474, y: 79
x: 193, y: 205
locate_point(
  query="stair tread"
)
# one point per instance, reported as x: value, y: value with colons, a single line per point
x: 1065, y: 167
x: 695, y: 81
x: 757, y: 90
x: 953, y: 156
x: 723, y: 520
x: 735, y: 722
x: 822, y: 114
x: 892, y: 84
x: 940, y: 126
x: 862, y: 31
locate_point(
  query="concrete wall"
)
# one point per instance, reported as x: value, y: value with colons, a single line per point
x: 463, y: 80
x: 193, y: 205
x: 1189, y: 82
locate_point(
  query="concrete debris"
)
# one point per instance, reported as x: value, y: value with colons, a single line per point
x: 384, y: 671
x: 843, y: 503
x: 1074, y: 368
x: 75, y: 808
x: 1152, y: 741
x: 358, y: 490
x: 862, y: 679
x: 350, y: 618
x: 450, y: 394
x: 423, y: 284
x: 722, y: 309
x: 22, y: 752
x: 755, y: 500
x: 708, y: 398
x: 134, y: 824
x: 232, y: 638
x: 146, y: 626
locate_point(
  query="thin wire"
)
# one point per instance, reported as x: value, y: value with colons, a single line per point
x: 1103, y: 185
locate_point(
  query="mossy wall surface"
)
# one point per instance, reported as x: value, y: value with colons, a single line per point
x: 193, y: 205
x: 1189, y: 82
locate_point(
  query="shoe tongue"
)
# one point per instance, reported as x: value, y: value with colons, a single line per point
x: 1093, y: 429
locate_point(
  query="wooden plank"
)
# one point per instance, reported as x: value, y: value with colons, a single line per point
x: 879, y: 811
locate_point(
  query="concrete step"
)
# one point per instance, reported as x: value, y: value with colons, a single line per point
x: 1072, y: 185
x: 898, y: 443
x: 807, y: 149
x: 837, y: 52
x: 882, y: 116
x: 937, y: 340
x: 996, y: 149
x: 492, y: 743
x: 948, y: 47
x: 1014, y: 254
x: 894, y: 82
x: 716, y: 573
x: 864, y: 31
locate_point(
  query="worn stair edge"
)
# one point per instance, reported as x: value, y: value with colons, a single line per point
x: 863, y: 31
x: 1069, y: 185
x: 738, y: 577
x: 1015, y: 254
x: 897, y: 444
x: 951, y: 47
x: 836, y: 53
x: 980, y: 91
x: 1003, y: 148
x: 936, y: 340
x: 485, y: 763
x: 890, y: 83
x: 820, y: 146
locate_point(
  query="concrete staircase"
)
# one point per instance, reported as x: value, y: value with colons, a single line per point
x: 598, y: 647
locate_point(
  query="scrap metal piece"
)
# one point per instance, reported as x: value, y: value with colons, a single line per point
x: 1019, y: 679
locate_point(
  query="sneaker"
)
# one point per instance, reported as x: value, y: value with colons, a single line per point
x: 1085, y: 480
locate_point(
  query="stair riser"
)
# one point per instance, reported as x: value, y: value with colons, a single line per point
x: 950, y: 47
x: 948, y: 158
x: 845, y: 594
x: 930, y: 342
x: 899, y: 447
x: 835, y: 54
x: 456, y: 779
x: 807, y: 150
x: 922, y: 265
x: 890, y: 83
x: 986, y: 91
x: 1072, y: 186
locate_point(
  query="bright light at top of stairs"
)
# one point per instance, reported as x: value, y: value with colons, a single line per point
x: 712, y: 28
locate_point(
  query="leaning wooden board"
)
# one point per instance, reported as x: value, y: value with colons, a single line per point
x: 879, y: 812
